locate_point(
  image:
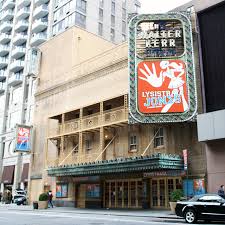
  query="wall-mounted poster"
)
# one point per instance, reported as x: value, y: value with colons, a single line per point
x: 93, y: 191
x: 199, y: 186
x: 61, y: 190
x: 161, y: 68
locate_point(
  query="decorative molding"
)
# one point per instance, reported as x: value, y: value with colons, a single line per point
x: 82, y: 78
x: 36, y: 177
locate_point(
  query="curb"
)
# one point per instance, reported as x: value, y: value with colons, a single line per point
x: 97, y: 213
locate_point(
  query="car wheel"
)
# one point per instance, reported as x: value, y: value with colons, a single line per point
x: 190, y: 216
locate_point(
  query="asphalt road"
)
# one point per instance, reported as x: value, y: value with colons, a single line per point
x: 21, y: 217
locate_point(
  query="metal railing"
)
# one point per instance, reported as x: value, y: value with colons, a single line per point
x: 112, y: 116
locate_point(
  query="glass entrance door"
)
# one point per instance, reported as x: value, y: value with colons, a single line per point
x: 123, y: 194
x: 161, y: 189
x: 158, y: 193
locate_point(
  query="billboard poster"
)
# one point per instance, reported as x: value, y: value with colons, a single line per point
x: 61, y: 190
x: 161, y: 68
x: 23, y: 138
x: 199, y: 186
x: 93, y: 191
x: 58, y: 191
x: 166, y: 93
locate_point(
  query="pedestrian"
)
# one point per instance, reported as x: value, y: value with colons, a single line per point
x: 0, y: 196
x: 50, y: 196
x: 4, y: 197
x: 221, y: 191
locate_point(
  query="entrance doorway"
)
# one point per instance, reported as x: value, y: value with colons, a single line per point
x: 123, y: 193
x: 81, y: 192
x: 161, y: 189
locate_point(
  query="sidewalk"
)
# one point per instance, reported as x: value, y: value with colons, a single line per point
x: 114, y: 212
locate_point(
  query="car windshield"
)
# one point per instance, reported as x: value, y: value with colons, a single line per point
x: 194, y: 199
x: 18, y: 196
x: 206, y: 197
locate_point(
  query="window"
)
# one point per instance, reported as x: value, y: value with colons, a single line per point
x: 88, y: 144
x: 16, y: 97
x: 56, y: 16
x: 56, y: 3
x: 81, y: 5
x: 90, y: 111
x: 123, y: 27
x: 159, y: 137
x: 101, y: 3
x: 14, y: 118
x: 80, y: 20
x: 133, y: 143
x: 113, y: 7
x: 67, y: 8
x: 124, y: 2
x: 100, y: 29
x: 31, y: 112
x: 54, y: 30
x: 112, y: 20
x: 69, y: 20
x: 61, y: 25
x: 100, y: 14
x: 137, y: 7
x: 112, y: 34
x: 108, y: 107
x: 123, y: 37
x: 124, y: 14
x: 61, y: 12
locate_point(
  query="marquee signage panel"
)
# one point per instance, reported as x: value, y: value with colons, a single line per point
x: 161, y: 67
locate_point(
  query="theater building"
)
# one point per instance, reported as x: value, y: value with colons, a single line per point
x: 85, y: 150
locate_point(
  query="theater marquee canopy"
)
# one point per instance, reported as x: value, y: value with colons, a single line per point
x: 161, y: 66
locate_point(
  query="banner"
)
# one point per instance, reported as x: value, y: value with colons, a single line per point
x: 23, y: 138
x: 185, y: 155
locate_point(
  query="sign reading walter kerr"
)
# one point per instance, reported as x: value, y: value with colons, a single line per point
x: 162, y: 76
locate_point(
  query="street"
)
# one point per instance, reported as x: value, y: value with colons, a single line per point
x: 18, y: 216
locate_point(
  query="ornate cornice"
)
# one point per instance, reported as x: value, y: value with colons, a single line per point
x: 83, y: 78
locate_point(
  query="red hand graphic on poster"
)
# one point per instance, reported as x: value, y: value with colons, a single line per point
x: 162, y: 87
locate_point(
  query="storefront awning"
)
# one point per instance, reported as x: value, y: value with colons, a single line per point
x: 8, y: 174
x: 24, y: 177
x: 124, y: 165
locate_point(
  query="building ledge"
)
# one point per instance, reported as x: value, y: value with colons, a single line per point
x: 121, y: 165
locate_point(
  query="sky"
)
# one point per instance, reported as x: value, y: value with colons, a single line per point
x: 160, y: 6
